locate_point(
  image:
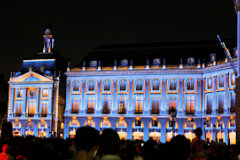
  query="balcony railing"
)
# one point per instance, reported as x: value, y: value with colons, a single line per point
x: 138, y: 112
x: 232, y: 110
x: 90, y: 110
x: 29, y: 115
x: 42, y: 115
x: 189, y: 112
x: 106, y: 111
x: 122, y: 111
x: 17, y: 114
x: 219, y: 110
x: 209, y: 111
x: 75, y: 111
x: 155, y: 111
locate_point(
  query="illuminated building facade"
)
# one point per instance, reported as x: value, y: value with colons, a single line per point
x: 34, y: 93
x: 135, y: 100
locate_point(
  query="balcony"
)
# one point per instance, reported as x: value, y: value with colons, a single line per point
x: 220, y: 111
x: 105, y: 111
x: 232, y: 110
x: 189, y: 112
x: 42, y: 115
x: 138, y: 112
x: 155, y: 111
x: 90, y: 110
x: 209, y: 111
x: 17, y: 114
x: 29, y: 114
x: 75, y: 111
x: 122, y: 111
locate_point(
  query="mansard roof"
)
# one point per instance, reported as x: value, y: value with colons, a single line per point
x: 172, y: 52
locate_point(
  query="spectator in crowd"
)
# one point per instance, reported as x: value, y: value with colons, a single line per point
x: 86, y: 143
x: 179, y: 148
x: 198, y: 145
x: 4, y: 155
x: 109, y: 145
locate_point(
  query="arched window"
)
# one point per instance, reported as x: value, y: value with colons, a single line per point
x: 29, y: 128
x: 16, y: 128
x: 170, y: 130
x: 105, y: 123
x: 89, y: 122
x: 73, y: 125
x: 137, y: 130
x: 121, y: 127
x: 42, y: 129
x: 155, y: 130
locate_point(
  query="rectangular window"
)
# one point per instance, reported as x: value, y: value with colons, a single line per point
x: 156, y: 85
x: 106, y: 105
x: 220, y: 103
x: 154, y: 123
x: 90, y: 105
x: 19, y: 109
x: 172, y: 102
x: 155, y: 105
x: 19, y: 93
x: 190, y: 105
x: 173, y: 85
x: 123, y: 87
x: 139, y: 86
x: 76, y: 86
x: 91, y: 87
x: 209, y: 104
x: 122, y: 105
x: 233, y: 79
x: 232, y: 105
x: 44, y: 109
x: 209, y: 83
x: 190, y: 84
x: 138, y: 105
x: 75, y: 105
x: 31, y: 107
x: 106, y: 87
x: 221, y: 81
x: 45, y: 92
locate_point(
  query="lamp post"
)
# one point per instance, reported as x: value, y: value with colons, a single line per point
x: 173, y: 113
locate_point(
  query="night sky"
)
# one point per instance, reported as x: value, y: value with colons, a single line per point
x: 83, y: 26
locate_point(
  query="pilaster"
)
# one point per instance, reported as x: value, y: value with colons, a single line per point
x: 214, y: 95
x: 146, y: 110
x: 163, y: 108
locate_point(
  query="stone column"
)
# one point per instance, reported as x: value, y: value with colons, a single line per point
x: 181, y: 108
x: 130, y: 108
x: 164, y: 108
x: 215, y: 107
x: 146, y: 122
x: 68, y: 93
x: 146, y: 109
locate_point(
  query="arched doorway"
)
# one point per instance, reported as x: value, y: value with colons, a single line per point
x: 73, y: 126
x: 232, y: 131
x: 171, y: 127
x: 42, y: 129
x: 137, y: 129
x: 29, y: 128
x: 189, y: 126
x: 121, y: 128
x: 105, y: 123
x: 219, y: 131
x: 16, y: 128
x: 208, y: 130
x: 155, y: 130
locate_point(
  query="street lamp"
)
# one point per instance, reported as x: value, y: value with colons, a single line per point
x: 173, y: 113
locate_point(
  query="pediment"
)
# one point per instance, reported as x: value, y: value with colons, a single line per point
x: 30, y: 77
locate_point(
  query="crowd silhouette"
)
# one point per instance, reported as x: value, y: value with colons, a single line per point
x: 89, y: 144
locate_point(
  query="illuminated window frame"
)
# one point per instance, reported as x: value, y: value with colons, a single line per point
x: 141, y: 83
x: 153, y: 82
x: 191, y: 82
x: 76, y: 84
x: 45, y: 92
x: 169, y: 82
x: 108, y: 84
x: 122, y: 82
x: 91, y: 83
x: 221, y: 81
x: 209, y: 83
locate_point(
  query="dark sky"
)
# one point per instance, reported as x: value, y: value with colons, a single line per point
x: 80, y: 27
